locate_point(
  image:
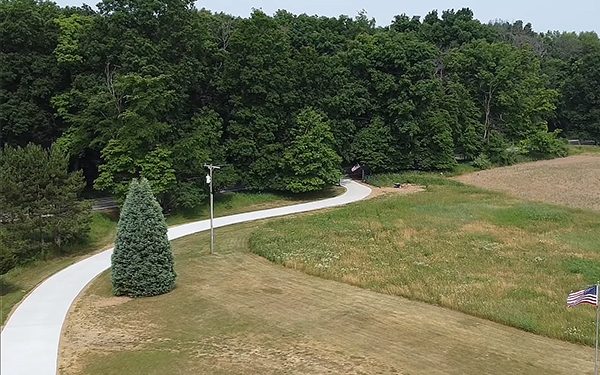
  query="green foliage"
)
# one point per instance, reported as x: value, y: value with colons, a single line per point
x: 40, y: 210
x: 8, y: 251
x: 373, y: 147
x: 543, y: 144
x: 142, y: 261
x: 508, y: 83
x: 482, y: 162
x: 499, y: 151
x: 29, y: 72
x: 571, y: 64
x: 310, y: 161
x: 157, y: 89
x: 67, y: 49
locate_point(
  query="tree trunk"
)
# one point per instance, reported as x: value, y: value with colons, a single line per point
x: 487, y: 102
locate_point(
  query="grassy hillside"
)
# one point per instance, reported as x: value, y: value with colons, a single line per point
x: 456, y: 246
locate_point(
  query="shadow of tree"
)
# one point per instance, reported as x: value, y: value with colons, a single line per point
x: 7, y: 287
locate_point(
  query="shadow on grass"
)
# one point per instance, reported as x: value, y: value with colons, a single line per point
x: 7, y: 287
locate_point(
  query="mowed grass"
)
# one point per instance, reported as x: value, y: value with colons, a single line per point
x: 475, y: 251
x: 16, y: 283
x: 237, y: 313
x: 234, y: 203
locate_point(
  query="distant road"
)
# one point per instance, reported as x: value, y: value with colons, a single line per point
x: 102, y: 204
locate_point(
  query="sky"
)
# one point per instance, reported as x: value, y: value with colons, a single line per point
x: 544, y: 15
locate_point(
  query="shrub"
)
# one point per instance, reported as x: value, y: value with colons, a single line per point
x: 500, y: 152
x: 543, y: 144
x: 482, y: 162
x: 142, y: 262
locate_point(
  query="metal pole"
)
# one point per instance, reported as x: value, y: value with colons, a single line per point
x: 597, y: 314
x: 212, y: 212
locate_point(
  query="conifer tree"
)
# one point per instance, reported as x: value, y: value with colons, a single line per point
x: 40, y: 208
x: 142, y: 262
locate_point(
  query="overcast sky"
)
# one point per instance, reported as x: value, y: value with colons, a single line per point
x: 544, y: 15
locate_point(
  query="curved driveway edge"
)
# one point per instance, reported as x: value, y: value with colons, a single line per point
x: 30, y: 339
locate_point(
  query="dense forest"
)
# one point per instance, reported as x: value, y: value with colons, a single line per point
x: 157, y: 88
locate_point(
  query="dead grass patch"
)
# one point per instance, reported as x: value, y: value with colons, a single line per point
x: 474, y: 251
x: 572, y: 181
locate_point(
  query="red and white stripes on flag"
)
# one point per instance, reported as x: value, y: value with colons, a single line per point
x: 589, y: 296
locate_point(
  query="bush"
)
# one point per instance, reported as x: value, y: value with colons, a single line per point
x: 8, y: 258
x: 142, y: 262
x: 482, y: 162
x: 500, y: 152
x: 543, y: 144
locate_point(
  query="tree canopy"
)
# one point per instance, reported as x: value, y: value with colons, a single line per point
x: 155, y: 89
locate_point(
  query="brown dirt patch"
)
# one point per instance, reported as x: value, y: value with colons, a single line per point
x: 572, y: 181
x: 403, y: 190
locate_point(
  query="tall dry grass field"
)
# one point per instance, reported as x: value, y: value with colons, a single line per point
x: 456, y: 246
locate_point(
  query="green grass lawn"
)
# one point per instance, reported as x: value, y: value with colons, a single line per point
x: 456, y: 246
x: 233, y: 203
x: 578, y: 150
x: 16, y: 283
x: 236, y: 313
x: 412, y: 177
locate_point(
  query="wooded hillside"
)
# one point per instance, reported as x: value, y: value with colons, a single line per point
x: 158, y: 88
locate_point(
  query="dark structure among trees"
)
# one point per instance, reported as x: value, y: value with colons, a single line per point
x: 142, y: 261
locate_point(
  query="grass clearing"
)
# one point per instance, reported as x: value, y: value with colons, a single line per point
x: 237, y: 313
x: 578, y: 150
x: 235, y: 203
x: 572, y: 181
x: 410, y: 177
x: 471, y: 250
x: 16, y: 283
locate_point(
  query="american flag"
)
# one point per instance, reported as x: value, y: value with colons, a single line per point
x: 589, y: 296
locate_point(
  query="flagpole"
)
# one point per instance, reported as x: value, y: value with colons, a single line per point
x: 597, y: 314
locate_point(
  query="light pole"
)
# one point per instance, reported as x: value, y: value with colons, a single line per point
x: 209, y: 180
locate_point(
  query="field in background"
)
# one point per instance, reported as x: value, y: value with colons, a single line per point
x: 16, y: 283
x: 237, y: 313
x: 573, y: 181
x: 456, y: 246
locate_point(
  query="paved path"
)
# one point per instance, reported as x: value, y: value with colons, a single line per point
x: 30, y: 338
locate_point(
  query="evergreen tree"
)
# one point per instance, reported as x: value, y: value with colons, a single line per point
x: 39, y: 206
x: 142, y: 262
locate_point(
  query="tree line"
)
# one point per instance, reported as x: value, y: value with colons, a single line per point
x: 156, y: 89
